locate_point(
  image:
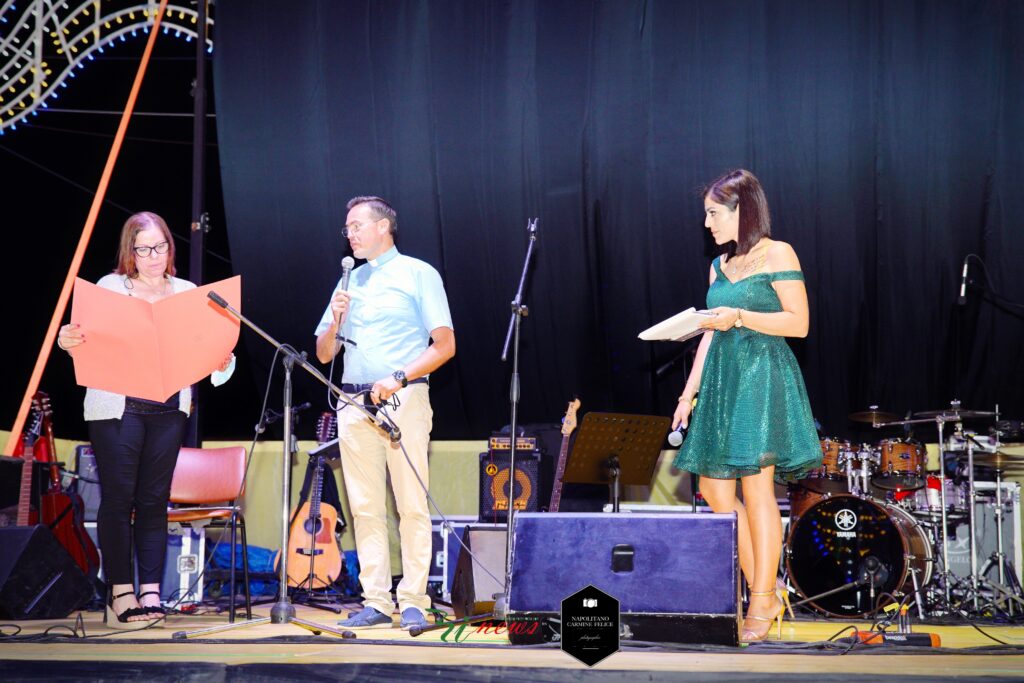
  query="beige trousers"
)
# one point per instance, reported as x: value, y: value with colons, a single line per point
x: 367, y: 458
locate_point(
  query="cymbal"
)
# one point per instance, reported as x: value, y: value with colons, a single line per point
x: 955, y: 414
x: 1013, y: 450
x: 998, y: 460
x: 873, y: 415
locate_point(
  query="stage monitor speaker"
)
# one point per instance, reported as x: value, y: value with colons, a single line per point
x: 676, y: 576
x: 38, y: 578
x: 473, y: 588
x: 494, y: 490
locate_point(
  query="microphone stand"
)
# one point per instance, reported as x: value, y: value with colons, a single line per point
x: 283, y: 611
x: 519, y: 311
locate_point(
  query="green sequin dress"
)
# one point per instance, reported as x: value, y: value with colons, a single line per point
x: 752, y: 410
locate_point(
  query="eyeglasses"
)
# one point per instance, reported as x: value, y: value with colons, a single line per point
x: 348, y: 231
x: 144, y: 252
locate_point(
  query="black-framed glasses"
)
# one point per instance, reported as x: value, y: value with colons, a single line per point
x: 144, y: 252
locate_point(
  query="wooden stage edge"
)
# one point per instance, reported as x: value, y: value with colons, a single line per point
x: 966, y: 653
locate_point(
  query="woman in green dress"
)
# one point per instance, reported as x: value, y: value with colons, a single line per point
x: 752, y: 420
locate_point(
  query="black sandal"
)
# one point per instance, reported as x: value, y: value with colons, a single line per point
x: 157, y: 610
x: 120, y: 621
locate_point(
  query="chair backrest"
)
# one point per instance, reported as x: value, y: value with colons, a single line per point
x: 208, y: 475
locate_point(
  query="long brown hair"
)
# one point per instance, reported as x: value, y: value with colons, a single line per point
x: 136, y: 223
x: 742, y: 188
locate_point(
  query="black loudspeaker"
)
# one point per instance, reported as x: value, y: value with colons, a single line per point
x: 494, y: 477
x: 88, y: 484
x: 675, y: 575
x: 473, y: 588
x: 38, y: 579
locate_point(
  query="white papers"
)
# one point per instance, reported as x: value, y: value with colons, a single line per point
x: 680, y: 327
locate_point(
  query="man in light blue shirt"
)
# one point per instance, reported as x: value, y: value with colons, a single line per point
x: 394, y: 307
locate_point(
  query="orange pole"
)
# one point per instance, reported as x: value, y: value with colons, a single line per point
x: 83, y: 242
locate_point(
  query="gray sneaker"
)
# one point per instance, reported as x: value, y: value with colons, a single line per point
x: 367, y: 618
x: 412, y: 617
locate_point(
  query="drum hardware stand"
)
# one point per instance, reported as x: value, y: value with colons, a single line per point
x: 940, y: 421
x: 1013, y: 593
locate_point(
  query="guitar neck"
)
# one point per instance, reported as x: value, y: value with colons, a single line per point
x: 318, y: 487
x: 25, y: 494
x: 556, y: 491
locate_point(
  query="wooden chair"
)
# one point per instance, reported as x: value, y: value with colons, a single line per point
x: 206, y: 487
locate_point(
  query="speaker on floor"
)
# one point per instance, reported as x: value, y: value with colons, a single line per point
x: 675, y: 575
x: 473, y: 588
x: 494, y: 489
x: 38, y: 578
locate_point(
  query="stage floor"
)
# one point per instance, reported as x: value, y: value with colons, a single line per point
x: 282, y: 651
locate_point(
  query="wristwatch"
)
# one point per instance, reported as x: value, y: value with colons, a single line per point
x: 400, y: 377
x: 739, y: 318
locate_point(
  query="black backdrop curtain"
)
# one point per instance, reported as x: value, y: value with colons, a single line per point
x: 887, y: 136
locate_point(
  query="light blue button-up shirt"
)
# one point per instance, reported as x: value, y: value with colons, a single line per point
x: 396, y: 301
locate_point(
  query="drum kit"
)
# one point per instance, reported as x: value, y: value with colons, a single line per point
x: 874, y: 525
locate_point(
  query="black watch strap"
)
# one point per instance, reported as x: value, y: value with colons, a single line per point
x: 400, y: 377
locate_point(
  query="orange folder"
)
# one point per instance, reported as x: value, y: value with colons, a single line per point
x: 137, y: 348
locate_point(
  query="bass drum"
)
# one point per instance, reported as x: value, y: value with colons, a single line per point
x: 844, y: 539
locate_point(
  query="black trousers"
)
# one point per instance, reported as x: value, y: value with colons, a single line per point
x: 135, y: 458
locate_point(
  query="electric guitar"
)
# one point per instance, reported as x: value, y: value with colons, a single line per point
x: 63, y: 511
x: 568, y: 425
x: 29, y: 437
x: 314, y: 560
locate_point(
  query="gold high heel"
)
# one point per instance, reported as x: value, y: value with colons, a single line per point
x: 782, y: 592
x: 756, y: 637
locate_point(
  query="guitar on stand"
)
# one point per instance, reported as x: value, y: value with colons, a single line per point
x: 568, y: 425
x: 63, y: 512
x: 314, y: 560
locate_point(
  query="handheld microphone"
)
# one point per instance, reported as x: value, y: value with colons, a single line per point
x: 962, y: 299
x: 347, y: 264
x: 675, y: 437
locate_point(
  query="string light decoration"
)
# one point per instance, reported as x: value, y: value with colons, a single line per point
x: 43, y: 43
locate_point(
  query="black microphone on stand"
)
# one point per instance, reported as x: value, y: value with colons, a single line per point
x: 962, y: 299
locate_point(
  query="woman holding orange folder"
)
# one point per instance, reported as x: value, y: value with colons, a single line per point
x: 752, y: 421
x: 136, y: 441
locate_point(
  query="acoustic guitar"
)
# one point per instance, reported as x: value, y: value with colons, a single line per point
x: 314, y: 560
x: 568, y: 425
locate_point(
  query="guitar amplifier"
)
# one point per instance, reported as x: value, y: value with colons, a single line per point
x: 494, y: 484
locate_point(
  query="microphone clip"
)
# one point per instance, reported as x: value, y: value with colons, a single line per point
x: 345, y: 340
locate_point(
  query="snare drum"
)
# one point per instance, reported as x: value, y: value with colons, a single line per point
x: 926, y: 502
x: 901, y: 465
x: 831, y: 476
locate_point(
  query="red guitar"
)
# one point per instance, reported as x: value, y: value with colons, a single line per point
x: 61, y: 511
x: 568, y: 425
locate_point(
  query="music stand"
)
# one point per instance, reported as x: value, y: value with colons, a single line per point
x: 617, y: 449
